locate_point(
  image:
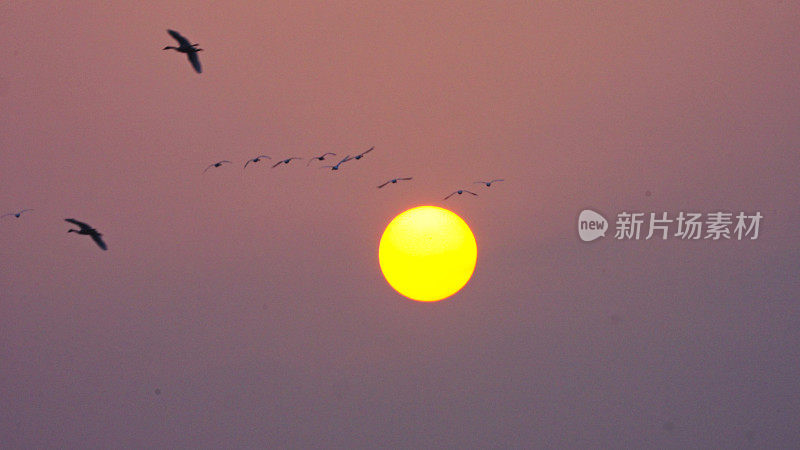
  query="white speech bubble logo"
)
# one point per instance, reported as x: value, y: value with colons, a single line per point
x: 591, y: 225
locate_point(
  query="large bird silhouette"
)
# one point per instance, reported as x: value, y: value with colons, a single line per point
x: 87, y: 230
x: 185, y: 47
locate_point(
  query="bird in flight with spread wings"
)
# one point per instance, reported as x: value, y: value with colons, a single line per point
x: 459, y: 192
x: 320, y: 157
x: 361, y: 155
x: 285, y: 161
x: 488, y: 183
x: 216, y: 164
x: 393, y: 181
x: 336, y: 167
x: 185, y: 47
x: 87, y: 230
x: 16, y: 214
x: 256, y: 159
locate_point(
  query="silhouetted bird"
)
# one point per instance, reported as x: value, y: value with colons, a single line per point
x: 393, y: 181
x: 361, y: 155
x: 216, y: 164
x: 256, y: 159
x: 185, y: 47
x: 16, y: 214
x: 488, y: 183
x: 336, y: 167
x: 459, y: 192
x: 285, y: 161
x: 320, y: 157
x: 87, y: 230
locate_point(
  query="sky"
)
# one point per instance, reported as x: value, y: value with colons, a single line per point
x: 246, y: 308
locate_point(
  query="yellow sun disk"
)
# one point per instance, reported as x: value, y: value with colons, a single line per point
x: 427, y: 253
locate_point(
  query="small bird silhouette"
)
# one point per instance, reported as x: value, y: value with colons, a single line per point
x: 393, y: 181
x: 185, y: 47
x: 320, y: 157
x: 459, y: 192
x: 216, y: 164
x: 285, y: 161
x: 87, y: 230
x: 488, y: 183
x: 16, y: 214
x: 336, y: 167
x: 361, y: 155
x: 256, y: 159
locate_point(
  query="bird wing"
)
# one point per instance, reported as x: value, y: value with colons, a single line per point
x: 370, y: 149
x: 328, y: 153
x: 499, y: 179
x: 346, y: 158
x: 469, y: 192
x: 263, y: 156
x: 384, y: 184
x: 277, y: 164
x: 31, y: 209
x: 248, y: 162
x: 408, y: 178
x: 7, y: 214
x: 209, y: 166
x: 181, y: 40
x: 195, y: 60
x: 481, y: 182
x: 98, y: 240
x: 82, y: 225
x: 450, y: 195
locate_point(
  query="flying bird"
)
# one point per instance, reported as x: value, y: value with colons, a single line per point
x: 336, y: 167
x: 185, y: 47
x: 488, y: 183
x: 16, y: 214
x: 459, y: 192
x: 255, y: 160
x: 87, y: 230
x: 361, y: 155
x: 320, y: 157
x: 216, y: 164
x: 393, y: 181
x: 285, y: 161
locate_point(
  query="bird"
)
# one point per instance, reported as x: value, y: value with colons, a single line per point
x: 16, y: 214
x: 336, y: 167
x: 393, y: 181
x: 361, y: 155
x: 216, y: 164
x: 488, y: 183
x: 185, y: 47
x: 87, y: 230
x: 459, y: 192
x: 255, y: 160
x: 320, y: 157
x: 285, y: 161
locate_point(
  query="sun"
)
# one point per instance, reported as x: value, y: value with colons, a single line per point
x: 427, y: 253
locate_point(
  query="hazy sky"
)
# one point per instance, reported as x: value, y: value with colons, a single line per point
x: 253, y: 300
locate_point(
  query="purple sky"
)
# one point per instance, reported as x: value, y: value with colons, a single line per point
x: 253, y: 300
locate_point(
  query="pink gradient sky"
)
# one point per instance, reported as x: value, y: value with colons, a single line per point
x: 253, y: 299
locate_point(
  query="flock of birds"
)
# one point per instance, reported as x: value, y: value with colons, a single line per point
x: 336, y: 167
x: 191, y: 50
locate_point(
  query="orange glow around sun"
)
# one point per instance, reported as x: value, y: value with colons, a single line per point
x: 427, y: 253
